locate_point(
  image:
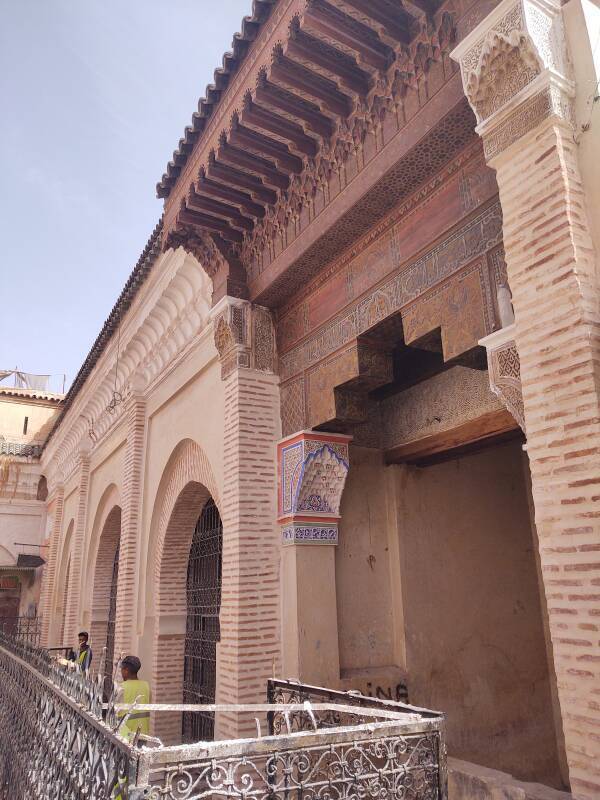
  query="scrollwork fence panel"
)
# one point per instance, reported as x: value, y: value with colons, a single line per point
x: 57, y: 740
x: 53, y: 742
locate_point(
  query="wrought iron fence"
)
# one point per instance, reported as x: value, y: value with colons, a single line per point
x: 319, y: 744
x: 336, y: 752
x: 53, y: 742
x: 28, y: 629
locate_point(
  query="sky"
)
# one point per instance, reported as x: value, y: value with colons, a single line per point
x: 94, y: 97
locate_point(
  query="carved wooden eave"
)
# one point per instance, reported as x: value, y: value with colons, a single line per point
x: 316, y: 86
x: 504, y: 369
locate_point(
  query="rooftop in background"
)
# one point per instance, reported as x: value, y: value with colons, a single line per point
x: 31, y: 394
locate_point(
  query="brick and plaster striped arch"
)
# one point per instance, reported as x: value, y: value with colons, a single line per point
x: 106, y: 535
x: 188, y: 482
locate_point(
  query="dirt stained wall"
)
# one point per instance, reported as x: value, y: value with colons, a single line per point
x: 474, y: 635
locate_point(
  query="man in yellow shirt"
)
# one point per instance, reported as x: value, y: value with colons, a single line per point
x: 134, y: 689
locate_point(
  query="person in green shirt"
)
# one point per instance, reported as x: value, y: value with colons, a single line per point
x: 133, y: 689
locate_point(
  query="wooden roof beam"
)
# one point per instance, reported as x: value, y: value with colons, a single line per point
x: 248, y: 162
x: 290, y: 105
x: 241, y: 200
x: 288, y: 74
x: 204, y: 222
x: 328, y: 23
x: 230, y: 176
x: 261, y: 119
x: 414, y: 7
x: 231, y: 214
x: 337, y: 66
x: 264, y: 147
x: 392, y: 28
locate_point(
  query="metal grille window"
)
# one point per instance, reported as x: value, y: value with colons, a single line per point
x: 110, y: 628
x: 202, y: 629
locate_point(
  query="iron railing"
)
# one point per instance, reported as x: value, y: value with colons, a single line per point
x: 53, y: 742
x: 27, y: 629
x: 58, y: 740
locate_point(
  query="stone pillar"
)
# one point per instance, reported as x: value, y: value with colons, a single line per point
x: 135, y: 421
x: 249, y: 650
x: 312, y: 474
x: 515, y: 71
x: 72, y: 613
x: 49, y: 578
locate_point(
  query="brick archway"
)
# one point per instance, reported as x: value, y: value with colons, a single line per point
x: 110, y: 536
x: 188, y: 483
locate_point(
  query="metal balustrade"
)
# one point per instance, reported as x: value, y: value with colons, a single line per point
x: 57, y: 739
x: 27, y: 629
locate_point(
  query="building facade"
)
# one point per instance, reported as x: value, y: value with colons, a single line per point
x: 26, y: 416
x: 342, y: 423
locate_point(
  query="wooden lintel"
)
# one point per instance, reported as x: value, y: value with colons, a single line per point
x: 495, y: 425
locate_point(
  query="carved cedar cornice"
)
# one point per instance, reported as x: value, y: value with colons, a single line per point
x: 322, y: 87
x: 387, y: 95
x: 504, y: 368
x: 515, y: 71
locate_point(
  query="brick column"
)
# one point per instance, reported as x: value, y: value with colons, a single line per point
x: 135, y: 413
x: 249, y: 650
x: 515, y: 73
x: 72, y: 614
x: 49, y: 577
x: 312, y: 474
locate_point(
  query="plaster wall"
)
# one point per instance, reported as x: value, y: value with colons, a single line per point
x: 189, y: 405
x: 21, y: 521
x: 363, y: 579
x: 474, y: 634
x: 13, y: 411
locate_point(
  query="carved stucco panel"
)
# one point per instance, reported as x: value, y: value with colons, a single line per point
x: 505, y: 371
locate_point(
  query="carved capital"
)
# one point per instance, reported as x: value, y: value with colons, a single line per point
x: 219, y: 259
x: 201, y: 247
x: 244, y: 336
x: 515, y: 71
x: 505, y: 371
x: 313, y: 468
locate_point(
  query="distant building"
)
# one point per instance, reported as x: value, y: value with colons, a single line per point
x: 26, y: 416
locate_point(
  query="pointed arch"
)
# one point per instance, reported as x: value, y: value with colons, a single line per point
x: 188, y: 483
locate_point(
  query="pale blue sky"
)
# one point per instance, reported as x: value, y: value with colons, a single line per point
x: 94, y: 96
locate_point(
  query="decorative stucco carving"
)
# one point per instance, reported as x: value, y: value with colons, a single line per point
x: 515, y: 71
x: 165, y: 325
x: 244, y: 336
x: 506, y: 65
x: 313, y: 468
x: 505, y: 371
x: 201, y: 247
